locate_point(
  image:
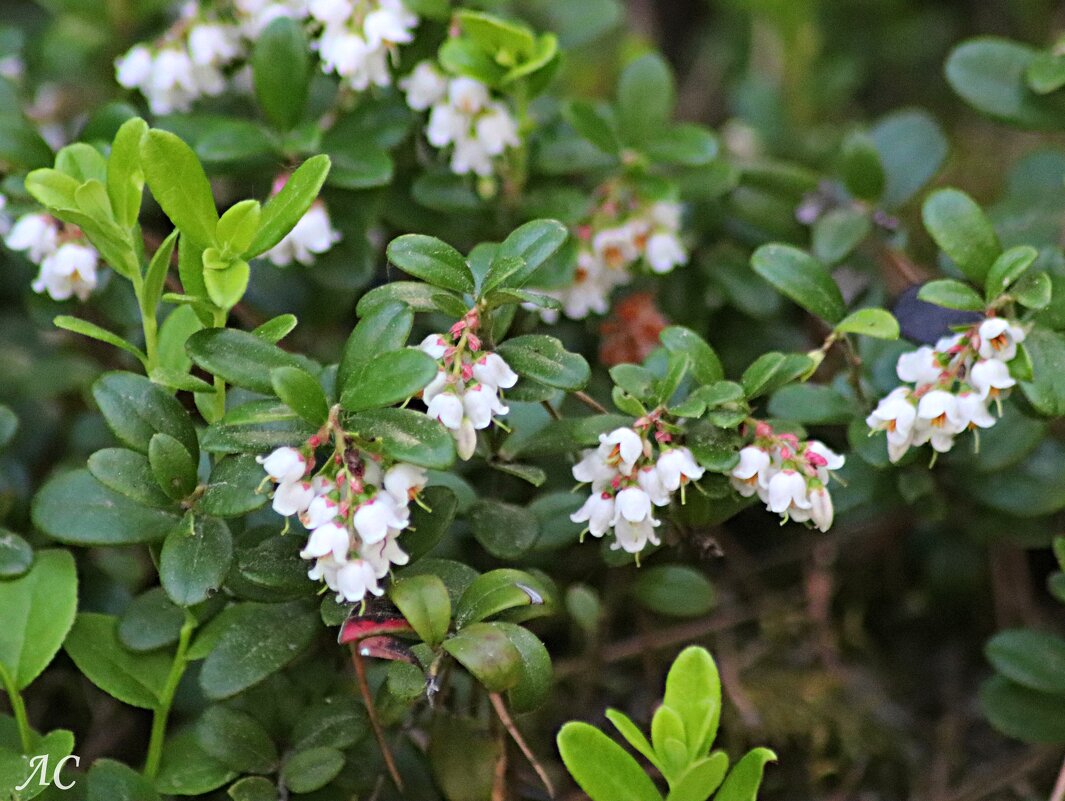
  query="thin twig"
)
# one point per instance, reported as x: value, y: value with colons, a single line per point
x: 551, y: 410
x: 515, y: 734
x: 499, y: 780
x: 375, y: 722
x: 589, y: 401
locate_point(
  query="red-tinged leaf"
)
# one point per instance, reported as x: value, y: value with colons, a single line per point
x: 384, y: 647
x: 373, y: 624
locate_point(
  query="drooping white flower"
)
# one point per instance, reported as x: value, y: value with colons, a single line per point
x: 321, y: 510
x: 284, y: 465
x: 470, y: 155
x: 391, y: 24
x: 492, y: 370
x: 623, y: 447
x: 919, y: 366
x: 373, y: 518
x: 677, y: 466
x: 356, y: 578
x: 990, y: 376
x: 940, y: 409
x: 479, y: 403
x: 465, y: 439
x: 442, y: 380
x: 895, y: 414
x: 329, y: 539
x: 331, y: 12
x: 664, y: 252
x: 593, y: 469
x: 496, y: 130
x: 821, y: 509
x: 666, y: 214
x: 467, y: 95
x: 632, y: 504
x: 434, y: 345
x: 68, y: 272
x: 616, y: 247
x: 598, y: 512
x: 446, y: 125
x: 214, y: 44
x: 649, y: 479
x: 36, y: 234
x: 447, y: 408
x: 404, y: 481
x: 134, y: 68
x: 751, y: 472
x: 312, y: 236
x: 292, y: 497
x: 632, y: 537
x: 973, y: 410
x: 998, y: 339
x: 424, y: 87
x: 382, y: 555
x: 787, y: 489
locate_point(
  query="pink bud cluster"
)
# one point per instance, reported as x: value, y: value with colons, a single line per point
x: 789, y: 475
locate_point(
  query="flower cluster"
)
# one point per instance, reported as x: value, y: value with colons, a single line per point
x: 622, y: 232
x: 465, y: 395
x: 628, y: 480
x: 951, y: 387
x: 358, y: 38
x: 187, y: 63
x: 463, y: 116
x: 312, y: 236
x: 67, y: 261
x: 355, y: 509
x: 201, y: 56
x: 790, y: 477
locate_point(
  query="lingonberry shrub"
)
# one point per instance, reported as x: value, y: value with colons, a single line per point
x: 381, y: 377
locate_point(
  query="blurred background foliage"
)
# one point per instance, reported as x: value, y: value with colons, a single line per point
x: 855, y: 656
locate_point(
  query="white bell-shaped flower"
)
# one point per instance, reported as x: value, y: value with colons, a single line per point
x: 752, y: 471
x: 919, y: 366
x: 331, y: 539
x: 293, y: 497
x: 389, y: 25
x: 998, y: 339
x: 821, y: 509
x: 331, y: 12
x: 382, y: 555
x: 36, y: 234
x: 496, y: 130
x: 465, y: 439
x: 649, y: 480
x: 632, y: 504
x: 467, y: 95
x: 480, y: 402
x: 404, y: 481
x: 214, y: 44
x: 990, y: 376
x: 786, y: 489
x: 597, y: 512
x: 312, y: 236
x: 677, y: 466
x: 134, y: 68
x: 68, y: 272
x: 355, y: 579
x: 435, y: 345
x: 470, y: 155
x: 447, y: 408
x: 446, y: 125
x: 664, y: 251
x: 373, y: 518
x: 939, y: 409
x: 492, y: 370
x: 973, y: 410
x: 623, y: 446
x: 593, y: 469
x: 321, y: 510
x: 632, y: 537
x: 284, y: 465
x: 425, y: 86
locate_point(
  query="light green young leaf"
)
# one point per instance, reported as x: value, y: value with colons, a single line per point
x: 179, y: 185
x: 602, y: 768
x: 745, y: 777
